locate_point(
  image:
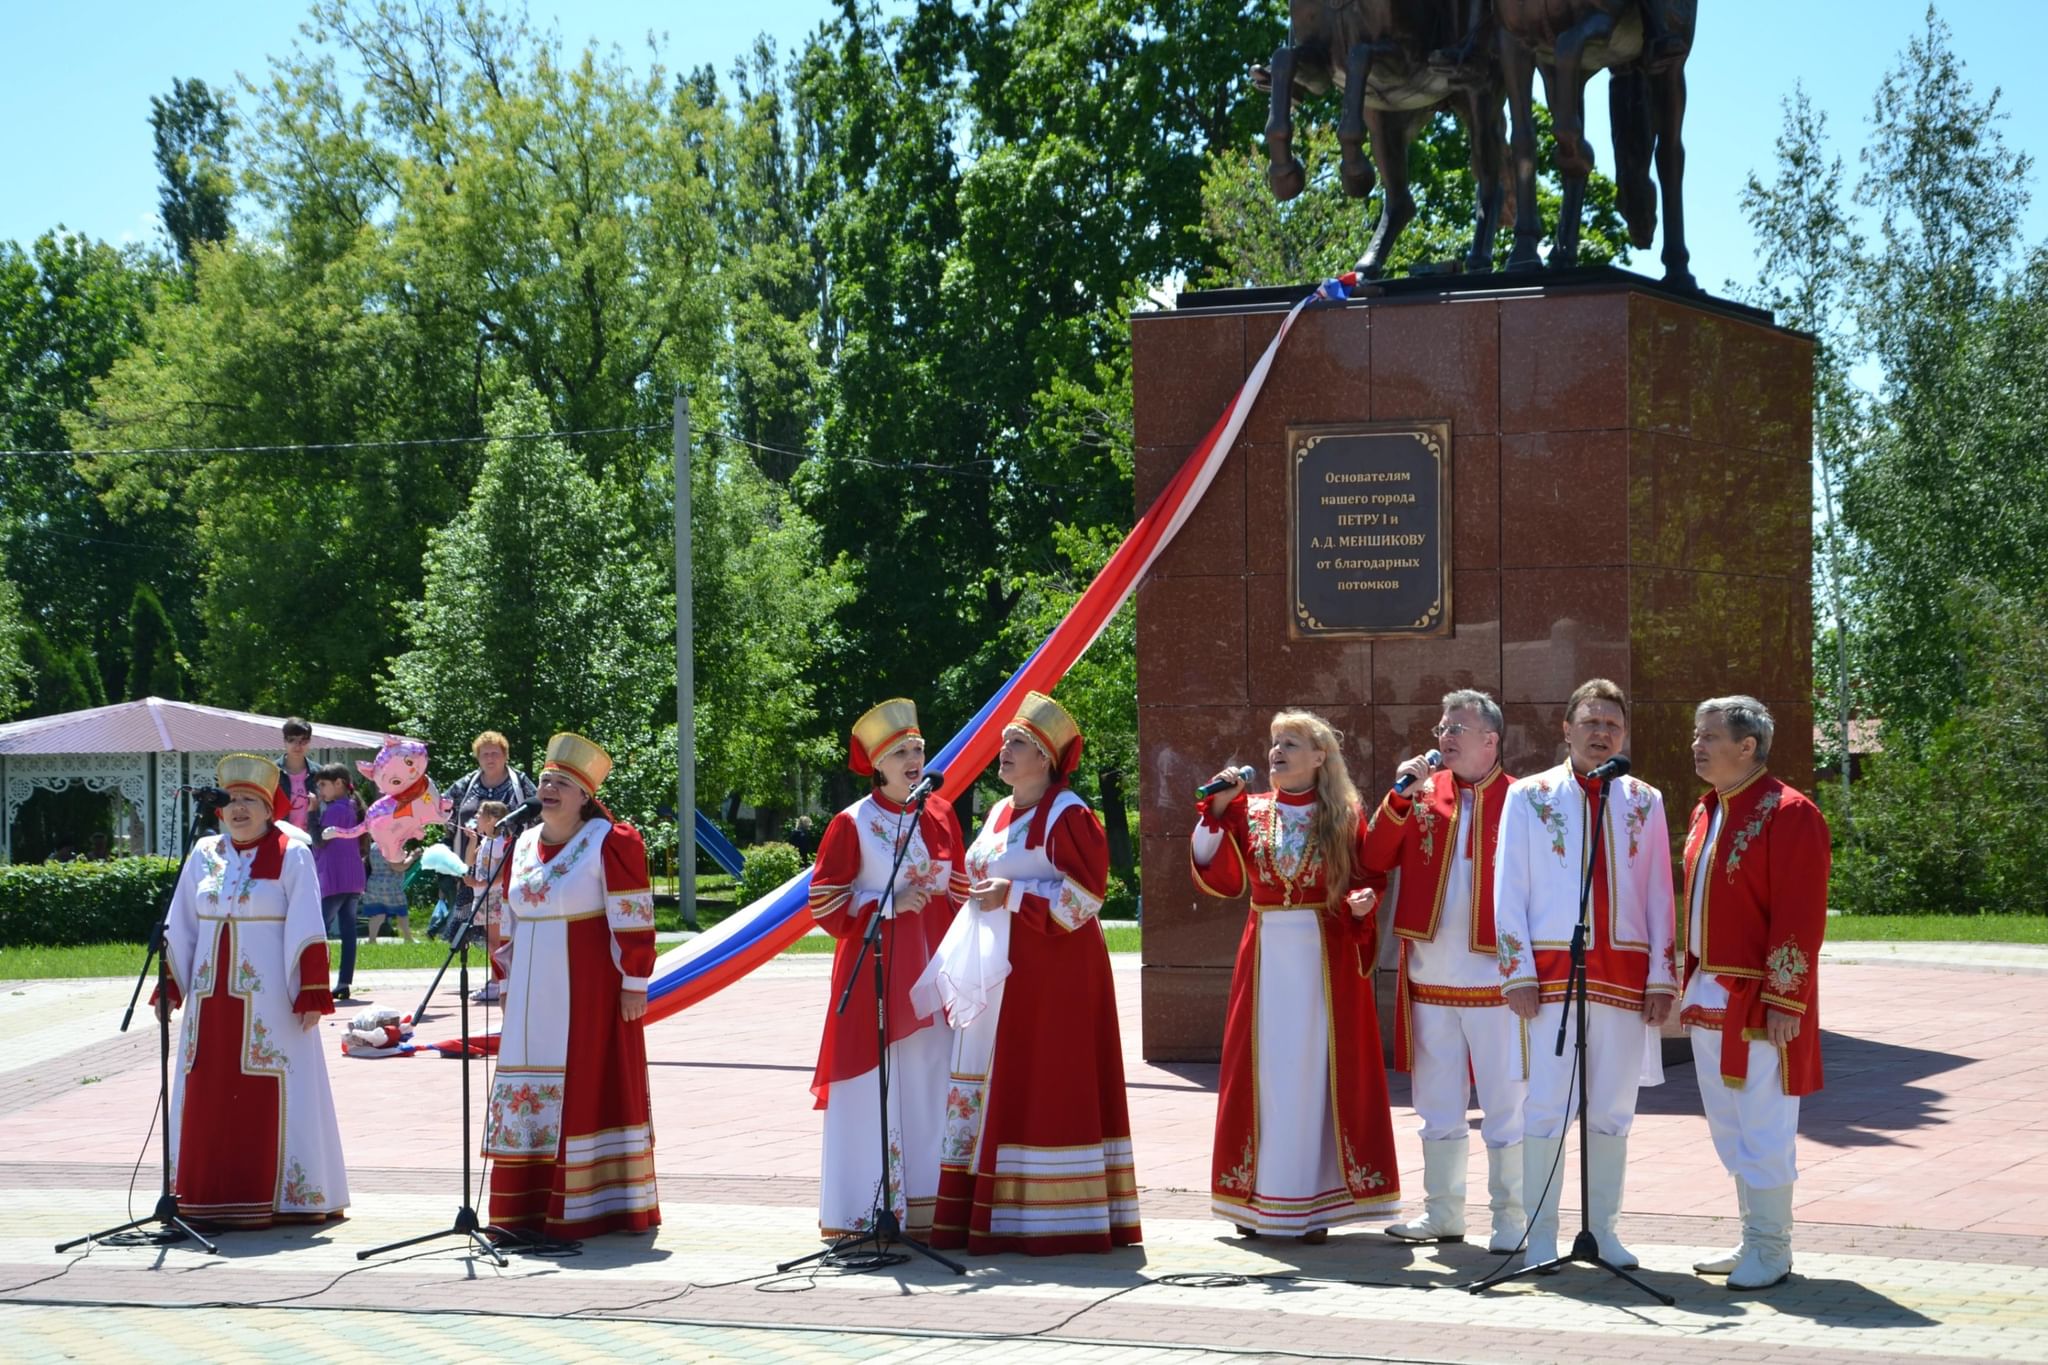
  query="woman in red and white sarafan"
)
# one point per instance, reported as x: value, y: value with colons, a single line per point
x: 849, y: 884
x: 253, y: 1134
x: 1304, y: 1135
x: 569, y: 1133
x: 1037, y: 1154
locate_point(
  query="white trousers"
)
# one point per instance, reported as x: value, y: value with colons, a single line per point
x: 851, y: 1175
x: 1621, y: 1054
x: 1456, y: 1046
x: 1755, y: 1128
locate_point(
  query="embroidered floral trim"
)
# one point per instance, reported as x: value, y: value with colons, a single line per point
x: 1426, y: 819
x: 517, y: 1126
x: 299, y: 1190
x: 897, y: 1202
x: 963, y: 1119
x: 1238, y: 1179
x: 1284, y: 851
x: 1749, y: 832
x: 1638, y: 816
x: 247, y: 981
x: 1548, y: 815
x: 220, y: 883
x: 535, y: 878
x: 633, y: 909
x: 262, y: 1055
x: 1785, y: 969
x: 1074, y: 908
x: 1508, y: 951
x: 1358, y: 1178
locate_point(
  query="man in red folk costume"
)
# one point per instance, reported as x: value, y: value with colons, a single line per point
x: 253, y: 1134
x: 1631, y: 973
x: 1756, y: 877
x: 849, y: 886
x: 1452, y: 1027
x: 1037, y: 1149
x: 569, y: 1132
x: 1304, y: 1135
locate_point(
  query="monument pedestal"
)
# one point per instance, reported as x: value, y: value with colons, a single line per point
x: 1629, y: 487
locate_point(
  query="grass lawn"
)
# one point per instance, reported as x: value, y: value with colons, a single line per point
x: 125, y: 959
x: 1941, y: 928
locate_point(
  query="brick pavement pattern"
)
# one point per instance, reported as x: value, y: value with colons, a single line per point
x: 1923, y: 1203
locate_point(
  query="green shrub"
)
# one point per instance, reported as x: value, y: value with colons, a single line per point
x: 60, y: 904
x: 1121, y: 900
x: 768, y: 866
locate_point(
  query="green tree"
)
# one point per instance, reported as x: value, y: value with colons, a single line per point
x: 541, y: 612
x: 1812, y: 257
x: 69, y: 307
x: 192, y: 127
x: 155, y: 668
x: 16, y: 681
x: 1953, y: 484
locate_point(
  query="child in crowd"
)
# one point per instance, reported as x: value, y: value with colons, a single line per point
x: 384, y: 893
x: 340, y: 865
x: 487, y: 861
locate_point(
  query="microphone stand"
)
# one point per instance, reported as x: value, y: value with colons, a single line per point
x: 1585, y: 1247
x: 172, y: 1226
x: 467, y: 1224
x: 883, y: 1225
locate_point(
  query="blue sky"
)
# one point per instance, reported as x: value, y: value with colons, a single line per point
x: 75, y: 105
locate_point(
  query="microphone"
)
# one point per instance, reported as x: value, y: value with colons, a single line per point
x: 1611, y: 769
x: 1207, y: 789
x: 520, y: 816
x: 205, y: 796
x: 1407, y: 780
x: 926, y: 785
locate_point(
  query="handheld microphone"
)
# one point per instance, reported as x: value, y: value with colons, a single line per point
x: 1435, y: 760
x: 926, y: 785
x: 1611, y: 769
x: 1207, y: 789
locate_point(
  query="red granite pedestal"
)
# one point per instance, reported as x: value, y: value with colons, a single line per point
x: 1630, y: 486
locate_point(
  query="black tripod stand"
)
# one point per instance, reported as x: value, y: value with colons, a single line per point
x: 171, y: 1227
x: 883, y: 1225
x: 1585, y: 1247
x: 467, y: 1224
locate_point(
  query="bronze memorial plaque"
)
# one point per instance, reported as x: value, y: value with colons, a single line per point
x: 1370, y: 549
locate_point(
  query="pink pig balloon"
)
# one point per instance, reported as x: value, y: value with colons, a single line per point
x: 410, y: 802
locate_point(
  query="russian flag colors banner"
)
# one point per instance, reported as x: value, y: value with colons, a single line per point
x: 715, y: 959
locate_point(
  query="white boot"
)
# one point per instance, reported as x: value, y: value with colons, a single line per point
x: 1504, y: 1183
x: 1542, y: 1171
x: 1606, y: 1173
x: 1727, y: 1261
x: 1443, y: 1190
x: 1766, y: 1240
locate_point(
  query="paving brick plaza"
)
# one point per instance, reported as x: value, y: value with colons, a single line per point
x: 1923, y: 1208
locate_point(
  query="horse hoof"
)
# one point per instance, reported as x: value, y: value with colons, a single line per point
x: 1682, y: 279
x: 1357, y: 184
x: 1520, y: 262
x: 1288, y: 180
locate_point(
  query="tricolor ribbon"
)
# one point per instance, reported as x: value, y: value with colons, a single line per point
x: 749, y: 937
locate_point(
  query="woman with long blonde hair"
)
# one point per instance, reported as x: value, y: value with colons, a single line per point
x: 1304, y: 1135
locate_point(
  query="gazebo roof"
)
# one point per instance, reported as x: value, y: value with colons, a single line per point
x: 154, y: 725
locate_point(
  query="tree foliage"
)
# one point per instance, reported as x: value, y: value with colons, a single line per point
x: 192, y: 127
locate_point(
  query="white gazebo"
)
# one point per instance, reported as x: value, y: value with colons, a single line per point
x: 144, y: 751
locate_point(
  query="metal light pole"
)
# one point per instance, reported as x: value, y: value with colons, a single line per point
x: 686, y: 676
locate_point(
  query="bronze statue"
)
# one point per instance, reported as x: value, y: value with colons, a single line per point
x: 1643, y: 46
x: 1397, y: 62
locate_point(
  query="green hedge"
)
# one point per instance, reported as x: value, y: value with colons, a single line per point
x: 55, y: 905
x: 768, y: 866
x: 1121, y: 900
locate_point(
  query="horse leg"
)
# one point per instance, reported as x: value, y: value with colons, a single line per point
x: 1568, y: 93
x: 1284, y: 174
x: 1669, y: 92
x: 1354, y: 169
x: 1391, y: 134
x: 1480, y: 110
x: 1518, y: 65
